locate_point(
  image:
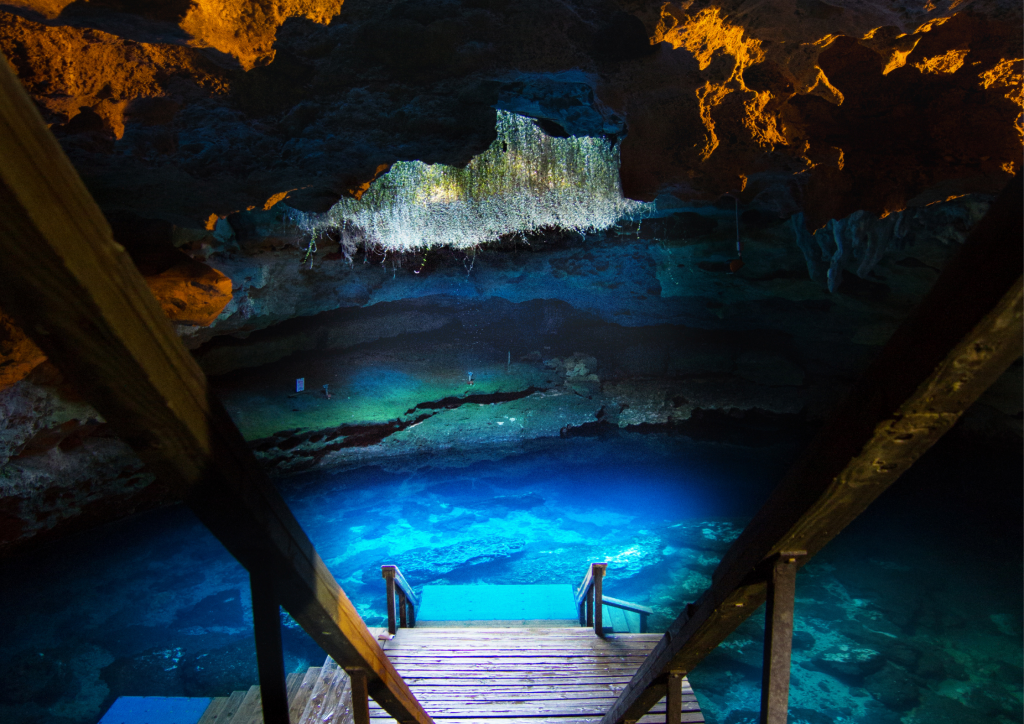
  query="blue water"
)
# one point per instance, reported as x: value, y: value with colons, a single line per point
x: 911, y: 615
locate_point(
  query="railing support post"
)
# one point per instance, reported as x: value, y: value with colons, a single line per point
x: 778, y: 638
x: 674, y: 698
x: 388, y: 572
x: 590, y: 604
x: 599, y: 569
x: 266, y: 620
x: 360, y: 696
x: 403, y: 621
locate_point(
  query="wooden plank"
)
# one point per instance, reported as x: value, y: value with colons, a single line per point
x: 292, y: 683
x: 512, y: 679
x: 487, y: 694
x: 467, y: 645
x: 329, y: 689
x: 688, y: 718
x: 527, y: 670
x: 511, y: 659
x: 428, y: 652
x: 250, y: 706
x: 963, y: 335
x: 216, y: 707
x: 78, y: 296
x: 503, y: 633
x: 527, y: 710
x: 231, y: 708
x: 497, y: 707
x: 634, y: 621
x: 626, y: 605
x: 616, y: 618
x: 297, y: 703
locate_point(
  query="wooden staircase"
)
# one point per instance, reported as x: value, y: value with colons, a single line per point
x: 320, y: 690
x: 480, y: 676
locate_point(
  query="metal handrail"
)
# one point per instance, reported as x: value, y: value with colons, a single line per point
x: 408, y: 601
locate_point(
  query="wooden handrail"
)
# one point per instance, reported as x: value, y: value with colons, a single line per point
x: 644, y: 611
x: 626, y: 605
x: 962, y: 336
x: 408, y: 602
x: 76, y: 293
x: 589, y: 597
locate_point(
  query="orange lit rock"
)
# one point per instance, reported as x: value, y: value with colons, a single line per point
x: 949, y: 62
x: 187, y: 110
x: 18, y: 354
x: 70, y: 70
x: 855, y: 99
x: 247, y: 30
x: 191, y: 292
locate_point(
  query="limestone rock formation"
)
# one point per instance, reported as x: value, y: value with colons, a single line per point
x: 192, y: 111
x: 854, y: 143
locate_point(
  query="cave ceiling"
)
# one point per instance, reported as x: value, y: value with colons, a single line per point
x: 854, y: 142
x: 189, y: 111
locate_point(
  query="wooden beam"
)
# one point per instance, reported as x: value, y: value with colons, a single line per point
x: 962, y: 336
x: 76, y: 293
x: 778, y: 638
x: 266, y: 624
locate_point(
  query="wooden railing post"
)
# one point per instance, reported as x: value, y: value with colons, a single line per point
x: 266, y: 620
x: 599, y: 569
x: 360, y: 696
x: 590, y: 604
x: 674, y: 698
x: 388, y: 572
x: 403, y: 604
x: 778, y: 638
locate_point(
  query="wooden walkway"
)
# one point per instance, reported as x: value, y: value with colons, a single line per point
x: 521, y: 675
x: 479, y: 676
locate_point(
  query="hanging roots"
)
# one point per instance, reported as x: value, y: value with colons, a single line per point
x: 524, y: 182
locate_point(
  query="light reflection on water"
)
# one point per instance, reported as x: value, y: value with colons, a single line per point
x: 912, y: 615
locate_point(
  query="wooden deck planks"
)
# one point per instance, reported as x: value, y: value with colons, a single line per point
x: 522, y: 676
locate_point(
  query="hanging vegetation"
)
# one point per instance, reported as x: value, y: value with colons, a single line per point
x: 525, y: 181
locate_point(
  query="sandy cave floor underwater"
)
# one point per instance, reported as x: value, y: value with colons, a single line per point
x: 912, y: 615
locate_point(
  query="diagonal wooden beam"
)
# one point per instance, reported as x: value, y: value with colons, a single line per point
x: 76, y: 293
x: 962, y: 336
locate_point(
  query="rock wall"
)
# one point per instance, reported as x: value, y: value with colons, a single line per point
x: 642, y: 327
x: 189, y: 112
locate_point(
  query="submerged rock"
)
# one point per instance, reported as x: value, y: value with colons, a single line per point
x: 893, y: 687
x: 461, y: 561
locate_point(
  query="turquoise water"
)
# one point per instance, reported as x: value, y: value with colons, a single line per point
x: 912, y: 615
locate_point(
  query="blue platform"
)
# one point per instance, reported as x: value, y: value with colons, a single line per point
x: 156, y: 710
x: 481, y: 603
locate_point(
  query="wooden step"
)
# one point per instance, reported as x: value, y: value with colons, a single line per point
x: 481, y: 676
x: 330, y: 693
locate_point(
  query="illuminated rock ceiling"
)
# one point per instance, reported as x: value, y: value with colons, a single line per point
x: 184, y: 110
